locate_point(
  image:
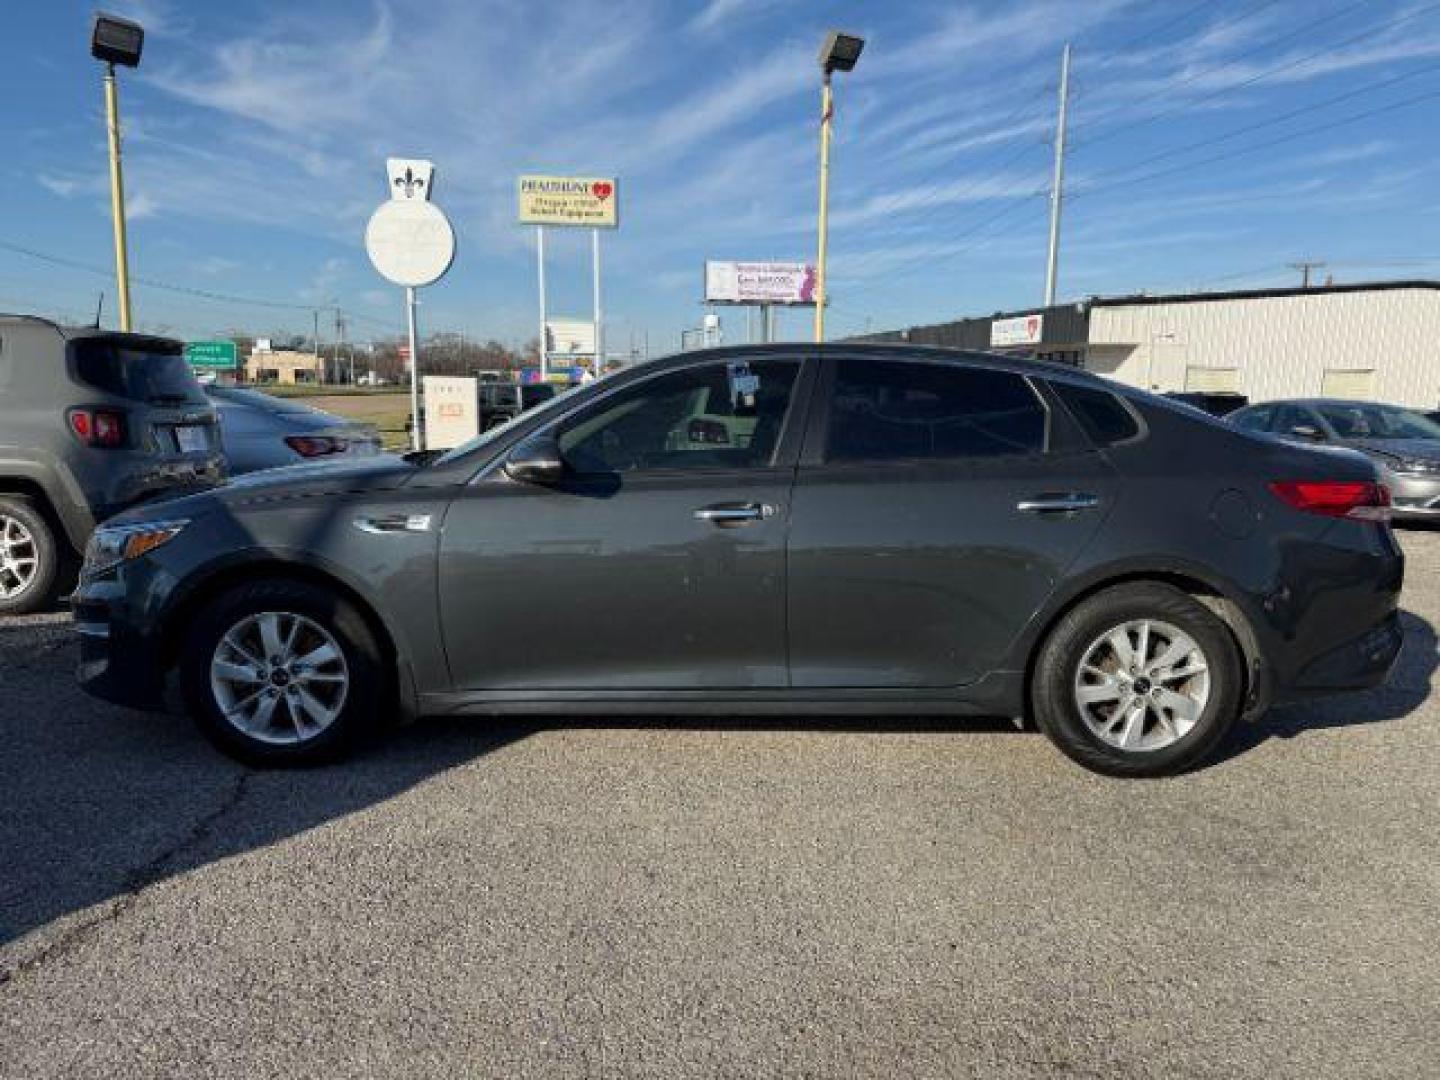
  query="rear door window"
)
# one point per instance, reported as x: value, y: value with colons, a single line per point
x: 901, y: 410
x: 157, y: 375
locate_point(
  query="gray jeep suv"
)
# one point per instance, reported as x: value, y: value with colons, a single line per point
x: 91, y: 422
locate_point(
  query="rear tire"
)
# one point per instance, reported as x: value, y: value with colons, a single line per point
x: 29, y: 557
x: 1141, y: 680
x: 280, y: 672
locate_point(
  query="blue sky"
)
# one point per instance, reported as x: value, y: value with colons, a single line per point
x: 1212, y: 144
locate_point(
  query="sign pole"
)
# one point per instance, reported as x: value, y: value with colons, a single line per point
x: 544, y: 330
x: 599, y: 333
x: 417, y: 440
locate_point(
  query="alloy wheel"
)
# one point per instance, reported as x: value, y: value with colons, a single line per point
x: 1142, y: 685
x: 19, y: 557
x: 279, y: 677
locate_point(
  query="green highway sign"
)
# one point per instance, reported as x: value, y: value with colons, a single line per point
x: 211, y: 354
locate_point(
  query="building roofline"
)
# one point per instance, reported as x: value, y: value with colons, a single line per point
x: 1138, y: 299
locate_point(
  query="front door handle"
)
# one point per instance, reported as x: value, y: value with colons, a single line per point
x: 1067, y: 503
x: 395, y: 523
x: 734, y: 513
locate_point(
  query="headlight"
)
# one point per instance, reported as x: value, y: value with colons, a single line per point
x: 112, y: 545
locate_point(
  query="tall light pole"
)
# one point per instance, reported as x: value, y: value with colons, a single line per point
x: 1057, y: 182
x: 114, y: 40
x: 838, y: 53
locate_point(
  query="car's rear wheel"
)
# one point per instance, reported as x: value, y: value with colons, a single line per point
x: 1139, y: 680
x: 282, y: 672
x: 29, y: 557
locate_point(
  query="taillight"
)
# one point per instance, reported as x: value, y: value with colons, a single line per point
x: 1361, y: 499
x: 315, y: 445
x: 104, y: 428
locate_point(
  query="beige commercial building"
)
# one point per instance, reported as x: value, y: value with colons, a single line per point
x: 282, y: 366
x: 1377, y: 342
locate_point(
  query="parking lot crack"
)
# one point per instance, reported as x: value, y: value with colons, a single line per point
x: 135, y: 882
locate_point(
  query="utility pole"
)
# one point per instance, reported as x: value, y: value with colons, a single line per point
x: 1305, y: 266
x: 1057, y: 184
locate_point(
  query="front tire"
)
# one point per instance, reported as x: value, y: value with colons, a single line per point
x: 1141, y: 680
x: 29, y: 557
x: 280, y: 672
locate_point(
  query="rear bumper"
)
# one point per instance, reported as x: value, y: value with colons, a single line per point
x: 1359, y: 664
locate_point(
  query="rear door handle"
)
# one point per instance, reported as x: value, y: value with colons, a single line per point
x: 1067, y: 503
x: 734, y: 513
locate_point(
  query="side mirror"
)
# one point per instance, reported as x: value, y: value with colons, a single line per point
x: 1308, y: 431
x: 537, y: 460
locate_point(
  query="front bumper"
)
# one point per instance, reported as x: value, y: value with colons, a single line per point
x: 1413, y: 496
x: 116, y: 665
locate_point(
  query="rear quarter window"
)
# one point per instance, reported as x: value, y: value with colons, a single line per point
x: 1102, y: 415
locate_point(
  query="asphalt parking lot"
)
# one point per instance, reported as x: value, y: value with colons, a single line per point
x: 698, y: 899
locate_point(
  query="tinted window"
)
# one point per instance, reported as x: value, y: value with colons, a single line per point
x: 1289, y: 417
x: 1102, y: 415
x: 157, y: 376
x: 713, y: 417
x: 533, y: 394
x: 1358, y: 421
x: 1254, y: 419
x: 887, y: 410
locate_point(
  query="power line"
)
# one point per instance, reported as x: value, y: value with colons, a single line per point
x: 1241, y: 151
x: 1258, y: 77
x: 204, y: 294
x: 1282, y: 118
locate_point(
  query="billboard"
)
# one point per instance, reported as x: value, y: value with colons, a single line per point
x: 759, y: 283
x: 589, y: 201
x: 212, y: 355
x: 569, y: 337
x: 1021, y: 330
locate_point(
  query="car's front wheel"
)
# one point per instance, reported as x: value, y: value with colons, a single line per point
x: 1138, y: 680
x: 280, y: 672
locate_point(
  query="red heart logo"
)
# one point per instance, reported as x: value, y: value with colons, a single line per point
x: 601, y: 189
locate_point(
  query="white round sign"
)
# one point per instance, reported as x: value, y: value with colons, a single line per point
x: 410, y: 242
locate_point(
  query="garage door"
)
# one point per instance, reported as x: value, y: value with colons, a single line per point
x: 1348, y: 383
x: 1212, y: 380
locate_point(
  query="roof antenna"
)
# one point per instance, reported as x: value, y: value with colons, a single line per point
x: 99, y: 307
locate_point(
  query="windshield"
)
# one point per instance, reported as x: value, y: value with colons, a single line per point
x: 156, y: 375
x: 486, y: 437
x: 1364, y: 421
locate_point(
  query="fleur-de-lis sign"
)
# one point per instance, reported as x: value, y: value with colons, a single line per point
x: 410, y: 182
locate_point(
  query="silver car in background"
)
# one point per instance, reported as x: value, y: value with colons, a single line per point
x: 259, y: 431
x: 1403, y: 444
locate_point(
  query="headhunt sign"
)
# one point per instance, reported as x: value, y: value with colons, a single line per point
x: 589, y: 201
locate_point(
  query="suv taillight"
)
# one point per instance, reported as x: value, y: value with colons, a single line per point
x: 103, y: 428
x: 1364, y: 500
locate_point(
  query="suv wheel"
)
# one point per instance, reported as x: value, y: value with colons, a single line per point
x: 29, y: 557
x: 1139, y: 680
x: 282, y: 672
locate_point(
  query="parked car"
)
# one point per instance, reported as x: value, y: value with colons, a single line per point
x: 1219, y: 403
x: 771, y: 529
x: 91, y: 422
x: 1404, y: 444
x: 501, y: 402
x: 261, y: 431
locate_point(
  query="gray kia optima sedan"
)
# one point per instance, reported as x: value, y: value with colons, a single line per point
x: 778, y: 529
